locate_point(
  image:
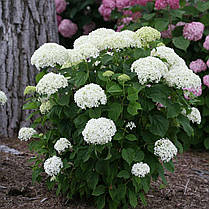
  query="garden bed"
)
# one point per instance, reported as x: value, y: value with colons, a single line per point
x: 188, y: 187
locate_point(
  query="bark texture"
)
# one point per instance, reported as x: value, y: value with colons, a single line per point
x: 24, y: 26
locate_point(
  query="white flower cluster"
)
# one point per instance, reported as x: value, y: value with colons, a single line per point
x: 103, y: 38
x: 53, y: 165
x: 194, y: 116
x: 130, y: 125
x: 26, y: 133
x: 3, y: 98
x: 49, y: 55
x: 181, y: 77
x: 99, y: 131
x: 45, y: 107
x: 91, y: 95
x: 169, y: 55
x: 62, y: 144
x: 51, y: 83
x: 140, y: 169
x: 148, y: 34
x: 149, y: 69
x: 165, y: 149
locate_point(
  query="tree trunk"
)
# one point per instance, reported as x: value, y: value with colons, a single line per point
x: 24, y: 26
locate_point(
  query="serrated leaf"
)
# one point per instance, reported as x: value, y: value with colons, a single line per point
x: 128, y: 155
x: 185, y: 123
x: 133, y: 108
x: 161, y: 24
x: 131, y: 137
x: 114, y: 111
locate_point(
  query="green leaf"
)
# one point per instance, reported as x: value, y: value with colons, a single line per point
x: 169, y: 166
x: 206, y: 143
x: 139, y: 156
x: 133, y: 108
x: 63, y: 99
x: 132, y: 94
x: 123, y: 174
x: 114, y: 111
x: 148, y: 16
x: 181, y: 43
x: 161, y: 24
x: 99, y: 190
x: 106, y: 59
x: 80, y: 79
x: 121, y: 192
x: 30, y: 106
x: 145, y: 184
x: 115, y: 90
x: 159, y: 125
x: 39, y: 76
x: 128, y: 155
x: 174, y: 110
x: 118, y: 136
x: 185, y: 123
x: 177, y: 13
x: 95, y: 112
x: 131, y: 137
x: 139, y: 53
x: 202, y: 6
x: 132, y: 198
x: 100, y: 202
x: 142, y: 198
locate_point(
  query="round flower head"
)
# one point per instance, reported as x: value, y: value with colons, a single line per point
x: 206, y: 80
x: 149, y: 69
x: 60, y: 6
x: 140, y: 169
x: 147, y: 34
x: 194, y: 116
x: 99, y: 131
x: 81, y: 41
x: 29, y: 90
x: 3, y: 98
x: 193, y: 31
x: 62, y: 144
x: 45, y: 107
x: 91, y: 95
x: 124, y: 78
x: 67, y: 28
x: 168, y: 33
x: 26, y: 133
x: 206, y: 43
x: 108, y: 73
x: 53, y: 165
x: 88, y: 50
x: 51, y: 83
x: 49, y: 55
x: 183, y: 78
x: 198, y: 66
x: 169, y: 55
x: 165, y: 149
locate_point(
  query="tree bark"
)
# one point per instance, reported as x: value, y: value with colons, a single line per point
x: 24, y: 26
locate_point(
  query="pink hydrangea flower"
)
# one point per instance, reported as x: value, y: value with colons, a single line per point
x: 105, y: 12
x: 60, y: 6
x: 189, y: 93
x: 198, y: 66
x: 127, y: 20
x: 206, y: 80
x: 109, y: 4
x: 59, y: 19
x: 193, y: 31
x: 168, y: 33
x: 88, y: 28
x: 206, y: 43
x: 67, y: 28
x: 161, y: 4
x: 121, y: 4
x: 207, y: 63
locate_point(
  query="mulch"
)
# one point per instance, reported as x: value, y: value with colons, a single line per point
x: 188, y: 186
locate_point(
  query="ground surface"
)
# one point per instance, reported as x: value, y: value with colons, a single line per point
x: 188, y: 187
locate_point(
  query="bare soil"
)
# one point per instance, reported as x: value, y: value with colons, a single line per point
x: 188, y: 186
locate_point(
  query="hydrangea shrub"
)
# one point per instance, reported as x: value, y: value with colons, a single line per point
x: 104, y: 136
x: 184, y: 27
